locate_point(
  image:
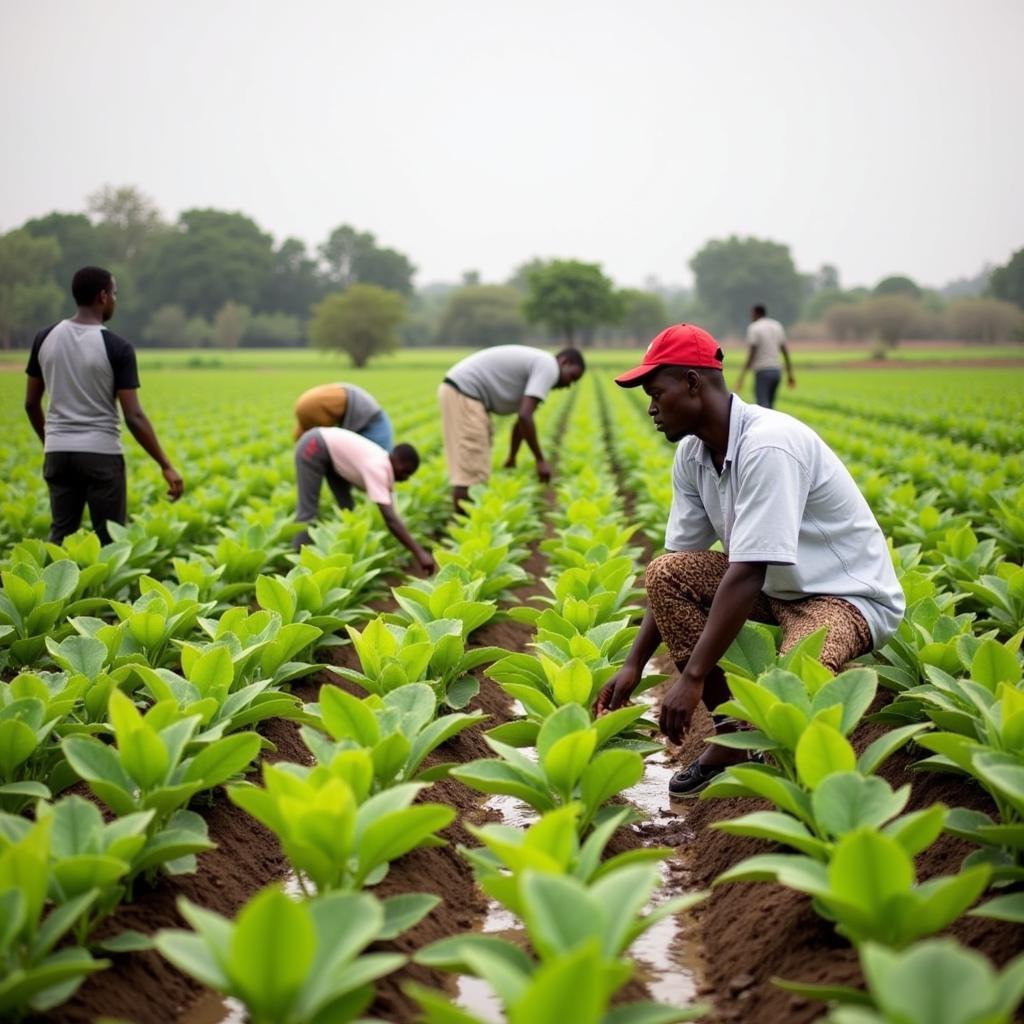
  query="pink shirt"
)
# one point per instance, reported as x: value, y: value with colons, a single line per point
x: 362, y: 463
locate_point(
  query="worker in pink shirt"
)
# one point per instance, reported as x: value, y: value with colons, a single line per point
x: 346, y: 460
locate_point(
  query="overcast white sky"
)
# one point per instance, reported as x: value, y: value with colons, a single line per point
x: 881, y: 135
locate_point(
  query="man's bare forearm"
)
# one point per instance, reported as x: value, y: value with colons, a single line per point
x: 393, y: 521
x: 528, y: 433
x: 645, y: 643
x: 143, y: 432
x: 37, y: 418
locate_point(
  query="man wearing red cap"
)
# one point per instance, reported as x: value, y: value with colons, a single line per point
x: 800, y: 546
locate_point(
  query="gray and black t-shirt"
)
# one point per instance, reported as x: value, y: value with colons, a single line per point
x: 83, y: 366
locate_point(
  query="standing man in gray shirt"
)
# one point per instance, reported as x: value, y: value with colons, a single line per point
x: 504, y: 379
x: 801, y: 547
x: 88, y: 370
x: 766, y: 341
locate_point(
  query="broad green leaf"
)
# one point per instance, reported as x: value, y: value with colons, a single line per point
x: 271, y: 951
x: 822, y: 750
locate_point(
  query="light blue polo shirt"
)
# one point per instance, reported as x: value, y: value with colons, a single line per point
x: 784, y: 498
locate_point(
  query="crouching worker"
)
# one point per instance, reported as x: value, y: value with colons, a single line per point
x: 348, y: 460
x: 801, y: 548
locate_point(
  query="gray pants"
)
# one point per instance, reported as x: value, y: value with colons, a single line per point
x: 766, y: 383
x: 312, y: 466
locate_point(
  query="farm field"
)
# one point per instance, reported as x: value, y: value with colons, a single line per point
x: 324, y: 787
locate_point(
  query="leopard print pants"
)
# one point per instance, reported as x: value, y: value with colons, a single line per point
x: 681, y: 586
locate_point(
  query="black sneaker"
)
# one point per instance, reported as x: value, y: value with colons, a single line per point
x: 688, y: 782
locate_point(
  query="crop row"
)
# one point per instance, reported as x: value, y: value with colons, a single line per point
x: 957, y: 692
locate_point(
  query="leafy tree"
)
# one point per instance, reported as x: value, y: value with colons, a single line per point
x: 387, y: 268
x: 988, y: 320
x: 734, y: 274
x: 570, y: 297
x: 273, y: 329
x: 295, y: 284
x: 212, y: 258
x: 846, y: 320
x: 128, y: 218
x: 353, y: 256
x: 427, y: 306
x: 230, y: 324
x: 167, y: 327
x: 898, y: 284
x: 482, y: 315
x: 520, y: 279
x: 198, y: 332
x: 890, y: 317
x: 360, y: 321
x: 1008, y: 282
x: 643, y: 314
x: 29, y: 300
x: 827, y: 278
x: 81, y: 244
x: 818, y: 305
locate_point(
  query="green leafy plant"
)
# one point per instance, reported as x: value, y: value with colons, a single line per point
x: 434, y: 652
x: 550, y: 680
x: 207, y: 691
x: 150, y: 769
x: 566, y: 770
x: 293, y: 962
x: 334, y: 833
x: 452, y: 594
x: 261, y: 647
x: 33, y: 601
x: 551, y: 845
x: 398, y: 729
x: 579, y: 934
x: 868, y: 887
x: 34, y: 973
x: 160, y: 616
x: 933, y: 982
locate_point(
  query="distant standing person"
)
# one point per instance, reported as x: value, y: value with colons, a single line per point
x: 88, y: 370
x: 767, y: 341
x: 346, y: 460
x: 346, y: 406
x: 504, y: 379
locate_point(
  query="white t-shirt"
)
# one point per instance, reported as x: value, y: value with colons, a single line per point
x: 785, y: 498
x: 361, y: 462
x: 766, y: 337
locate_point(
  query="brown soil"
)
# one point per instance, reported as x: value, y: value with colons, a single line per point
x: 752, y: 932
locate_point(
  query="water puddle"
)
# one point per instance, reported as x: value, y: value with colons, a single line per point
x: 668, y: 960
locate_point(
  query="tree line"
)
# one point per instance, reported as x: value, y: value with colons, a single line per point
x: 215, y: 278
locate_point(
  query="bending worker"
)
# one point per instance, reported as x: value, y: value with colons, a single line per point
x: 801, y: 547
x: 504, y: 379
x: 347, y: 460
x: 346, y: 406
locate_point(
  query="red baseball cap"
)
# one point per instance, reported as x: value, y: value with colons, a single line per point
x: 678, y: 345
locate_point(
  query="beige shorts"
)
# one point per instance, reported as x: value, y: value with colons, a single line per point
x: 467, y: 437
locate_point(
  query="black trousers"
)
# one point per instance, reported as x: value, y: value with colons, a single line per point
x: 766, y: 383
x: 77, y: 479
